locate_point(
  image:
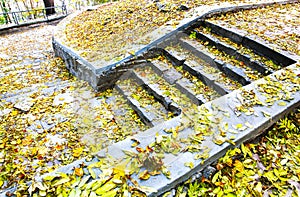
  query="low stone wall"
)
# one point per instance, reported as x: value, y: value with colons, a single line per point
x: 76, y: 64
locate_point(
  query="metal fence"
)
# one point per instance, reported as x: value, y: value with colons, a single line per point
x: 20, y: 17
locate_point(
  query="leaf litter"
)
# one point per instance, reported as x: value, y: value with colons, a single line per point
x: 113, y: 181
x: 96, y: 34
x: 48, y: 117
x: 276, y: 24
x: 267, y: 168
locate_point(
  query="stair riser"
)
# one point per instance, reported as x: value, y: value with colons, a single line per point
x: 232, y: 72
x: 166, y: 101
x: 259, y: 48
x: 233, y: 52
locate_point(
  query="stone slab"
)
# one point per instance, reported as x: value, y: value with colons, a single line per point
x: 224, y: 31
x: 237, y: 74
x: 264, y: 50
x: 145, y: 115
x: 196, y: 49
x: 206, y: 78
x: 158, y: 67
x: 171, y: 76
x: 157, y: 93
x: 184, y: 86
x: 216, y: 42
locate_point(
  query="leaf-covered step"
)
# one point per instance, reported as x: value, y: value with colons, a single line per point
x: 149, y: 110
x: 200, y: 69
x: 43, y: 88
x: 186, y: 87
x: 166, y: 71
x: 255, y: 58
x: 232, y: 51
x: 27, y: 76
x: 217, y: 61
x: 195, y: 89
x: 157, y: 93
x: 167, y: 90
x: 18, y: 68
x: 126, y: 119
x: 242, y: 38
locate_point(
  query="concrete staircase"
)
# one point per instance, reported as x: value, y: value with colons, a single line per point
x: 194, y: 82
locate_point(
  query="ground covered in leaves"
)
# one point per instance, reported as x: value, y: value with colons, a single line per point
x: 112, y: 31
x: 46, y: 113
x: 48, y: 117
x: 277, y: 24
x: 269, y: 167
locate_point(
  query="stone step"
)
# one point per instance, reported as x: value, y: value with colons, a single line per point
x: 22, y: 67
x: 248, y: 53
x: 157, y: 93
x: 166, y: 71
x: 185, y: 86
x: 173, y: 76
x: 152, y: 112
x: 198, y: 70
x: 165, y: 89
x: 232, y: 51
x: 233, y: 72
x: 242, y: 38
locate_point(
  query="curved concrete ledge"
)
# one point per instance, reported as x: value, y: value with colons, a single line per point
x: 93, y: 74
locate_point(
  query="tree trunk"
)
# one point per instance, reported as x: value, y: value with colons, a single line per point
x: 49, y: 6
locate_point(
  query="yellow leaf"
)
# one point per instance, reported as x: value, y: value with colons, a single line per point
x: 246, y: 151
x: 144, y: 175
x: 79, y: 171
x: 77, y: 151
x: 239, y: 166
x: 14, y: 113
x: 281, y: 103
x: 105, y: 188
x: 189, y: 164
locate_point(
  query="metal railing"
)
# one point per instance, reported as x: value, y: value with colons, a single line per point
x: 20, y: 17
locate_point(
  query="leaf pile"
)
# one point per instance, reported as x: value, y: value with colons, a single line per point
x: 114, y: 29
x: 86, y: 181
x: 277, y: 24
